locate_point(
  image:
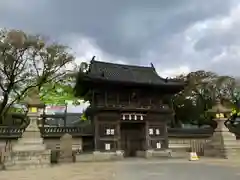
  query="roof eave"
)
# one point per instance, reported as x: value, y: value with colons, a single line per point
x: 87, y: 78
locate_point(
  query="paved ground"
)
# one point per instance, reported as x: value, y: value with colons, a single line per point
x: 137, y: 169
x: 180, y: 170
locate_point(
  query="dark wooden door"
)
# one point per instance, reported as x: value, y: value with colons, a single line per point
x: 132, y: 138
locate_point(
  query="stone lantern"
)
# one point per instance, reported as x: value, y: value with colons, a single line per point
x: 33, y: 100
x: 223, y: 143
x: 30, y: 149
x: 221, y: 114
x: 34, y: 104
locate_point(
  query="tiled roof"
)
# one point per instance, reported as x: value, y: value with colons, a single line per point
x: 127, y: 73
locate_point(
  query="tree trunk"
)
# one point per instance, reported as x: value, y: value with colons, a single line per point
x: 2, y: 107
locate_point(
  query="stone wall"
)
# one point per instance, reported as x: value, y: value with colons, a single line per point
x: 54, y: 144
x: 182, y: 146
x: 51, y: 143
x: 177, y: 144
x: 100, y: 156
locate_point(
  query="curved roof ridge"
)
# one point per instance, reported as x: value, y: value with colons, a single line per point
x: 127, y: 73
x: 125, y: 65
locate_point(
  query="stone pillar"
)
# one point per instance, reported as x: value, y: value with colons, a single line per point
x: 30, y: 151
x: 223, y: 143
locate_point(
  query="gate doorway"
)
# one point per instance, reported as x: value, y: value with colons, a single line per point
x: 132, y: 138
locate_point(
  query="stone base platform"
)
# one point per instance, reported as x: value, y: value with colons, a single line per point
x: 158, y: 153
x: 27, y: 160
x: 155, y: 153
x: 223, y: 145
x: 67, y: 159
x: 119, y: 155
x: 225, y: 153
x: 100, y: 156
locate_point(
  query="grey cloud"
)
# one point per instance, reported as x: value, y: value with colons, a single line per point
x: 217, y: 40
x: 229, y: 67
x: 128, y: 29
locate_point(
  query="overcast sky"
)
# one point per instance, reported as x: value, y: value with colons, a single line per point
x: 175, y: 35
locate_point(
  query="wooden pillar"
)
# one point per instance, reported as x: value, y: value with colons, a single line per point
x: 129, y: 98
x: 166, y: 135
x: 96, y: 134
x: 147, y: 137
x: 118, y: 135
x: 93, y: 98
x: 118, y: 99
x: 106, y: 98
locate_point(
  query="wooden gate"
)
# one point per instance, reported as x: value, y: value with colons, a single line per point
x: 132, y: 138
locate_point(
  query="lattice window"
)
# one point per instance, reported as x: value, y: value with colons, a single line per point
x: 107, y: 130
x: 158, y: 144
x: 107, y: 145
x: 151, y: 131
x: 110, y: 131
x: 156, y: 131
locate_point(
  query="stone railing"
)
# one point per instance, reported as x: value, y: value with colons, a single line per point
x: 48, y: 132
x: 11, y: 132
x: 184, y: 140
x: 190, y: 133
x: 87, y: 130
x: 59, y: 131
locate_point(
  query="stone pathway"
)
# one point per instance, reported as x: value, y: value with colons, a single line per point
x: 84, y: 171
x: 134, y: 169
x: 179, y: 169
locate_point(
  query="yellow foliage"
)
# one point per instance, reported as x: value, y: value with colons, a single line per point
x: 235, y: 112
x: 83, y: 117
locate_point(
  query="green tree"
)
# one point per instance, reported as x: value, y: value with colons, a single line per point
x: 194, y: 99
x: 59, y: 93
x: 201, y: 93
x: 28, y: 61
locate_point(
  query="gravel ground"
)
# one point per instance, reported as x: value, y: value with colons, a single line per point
x: 134, y: 169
